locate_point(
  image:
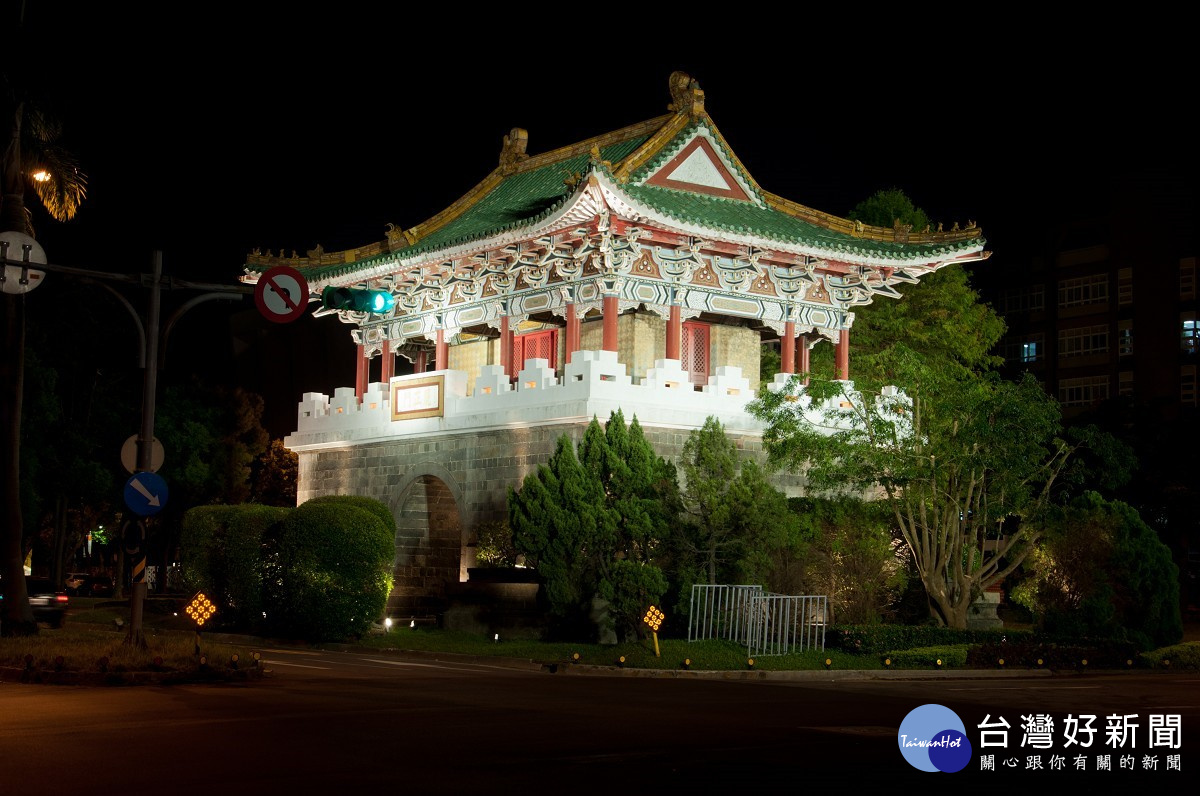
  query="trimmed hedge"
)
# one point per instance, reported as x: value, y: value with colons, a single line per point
x: 952, y: 656
x: 879, y: 639
x: 220, y: 554
x: 327, y: 570
x: 1099, y: 654
x: 1178, y: 656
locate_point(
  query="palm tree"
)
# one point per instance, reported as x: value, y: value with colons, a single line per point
x: 32, y: 159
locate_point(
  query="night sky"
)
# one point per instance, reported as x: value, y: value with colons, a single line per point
x: 206, y: 136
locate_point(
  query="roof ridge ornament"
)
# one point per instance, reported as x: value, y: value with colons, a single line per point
x: 686, y: 94
x: 513, y: 151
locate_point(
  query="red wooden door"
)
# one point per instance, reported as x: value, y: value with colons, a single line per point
x: 694, y: 349
x: 535, y: 345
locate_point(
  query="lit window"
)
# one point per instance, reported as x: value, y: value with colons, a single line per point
x: 1085, y: 290
x: 1082, y: 341
x: 1187, y: 342
x: 1031, y: 351
x: 1125, y: 337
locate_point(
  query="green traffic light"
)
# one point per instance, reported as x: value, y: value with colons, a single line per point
x: 357, y: 300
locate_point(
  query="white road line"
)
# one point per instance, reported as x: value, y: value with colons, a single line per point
x: 421, y: 665
x: 291, y: 652
x: 297, y: 665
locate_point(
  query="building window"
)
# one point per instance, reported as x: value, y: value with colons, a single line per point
x: 1187, y: 322
x: 535, y: 345
x: 1030, y: 298
x: 1187, y: 385
x: 1083, y: 392
x: 1125, y: 337
x: 1033, y: 348
x: 1187, y: 278
x: 695, y: 351
x: 1085, y: 290
x: 1082, y: 341
x: 1125, y: 384
x: 1125, y: 286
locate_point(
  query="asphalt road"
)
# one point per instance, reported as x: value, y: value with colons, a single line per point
x: 328, y: 722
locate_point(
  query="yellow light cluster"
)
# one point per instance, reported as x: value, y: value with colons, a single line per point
x: 201, y: 609
x: 654, y: 618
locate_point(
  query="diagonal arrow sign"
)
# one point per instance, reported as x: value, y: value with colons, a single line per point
x: 144, y: 492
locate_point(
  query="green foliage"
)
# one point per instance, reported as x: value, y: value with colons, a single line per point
x: 328, y: 569
x: 851, y: 557
x: 740, y: 529
x: 583, y: 512
x: 885, y: 207
x: 950, y: 656
x: 881, y: 639
x: 1101, y: 569
x: 1054, y: 654
x: 275, y: 474
x: 376, y: 507
x: 494, y: 547
x: 221, y: 553
x: 1182, y: 657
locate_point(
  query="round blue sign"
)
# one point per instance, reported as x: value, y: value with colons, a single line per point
x: 145, y: 493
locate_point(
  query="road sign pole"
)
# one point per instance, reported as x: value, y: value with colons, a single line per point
x: 146, y: 442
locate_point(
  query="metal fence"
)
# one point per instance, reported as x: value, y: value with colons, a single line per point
x: 768, y: 624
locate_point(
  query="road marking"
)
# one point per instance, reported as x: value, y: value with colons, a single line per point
x: 421, y: 665
x: 291, y: 652
x: 297, y: 665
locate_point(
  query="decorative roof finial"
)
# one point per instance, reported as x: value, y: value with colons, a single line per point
x: 686, y: 95
x: 513, y: 151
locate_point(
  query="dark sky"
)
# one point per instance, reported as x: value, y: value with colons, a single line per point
x: 208, y: 132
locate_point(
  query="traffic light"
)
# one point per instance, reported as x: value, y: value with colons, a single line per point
x: 356, y: 299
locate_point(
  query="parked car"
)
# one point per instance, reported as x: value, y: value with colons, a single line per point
x: 81, y: 584
x: 49, y: 605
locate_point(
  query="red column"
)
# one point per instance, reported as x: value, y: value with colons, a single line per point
x: 787, y: 348
x: 441, y: 351
x: 610, y: 323
x: 420, y: 365
x: 360, y: 374
x: 388, y: 363
x: 802, y: 365
x: 572, y: 342
x: 506, y: 347
x: 674, y: 334
x: 843, y: 354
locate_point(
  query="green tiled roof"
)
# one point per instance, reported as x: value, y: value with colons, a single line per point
x: 732, y: 215
x: 531, y: 194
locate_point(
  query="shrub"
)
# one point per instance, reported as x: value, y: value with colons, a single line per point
x: 878, y: 639
x: 952, y: 656
x: 1026, y: 652
x: 1177, y: 656
x: 220, y: 553
x: 328, y: 570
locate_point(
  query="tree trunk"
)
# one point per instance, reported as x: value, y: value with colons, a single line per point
x: 17, y: 618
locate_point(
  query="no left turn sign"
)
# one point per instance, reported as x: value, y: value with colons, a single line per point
x: 281, y: 294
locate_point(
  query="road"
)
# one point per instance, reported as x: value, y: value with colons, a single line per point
x: 329, y: 722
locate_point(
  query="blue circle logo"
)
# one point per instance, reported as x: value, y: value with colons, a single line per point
x: 934, y: 738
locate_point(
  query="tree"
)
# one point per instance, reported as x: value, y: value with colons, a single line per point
x: 851, y: 557
x: 966, y: 462
x: 592, y: 522
x: 887, y: 207
x: 737, y: 519
x: 275, y: 474
x: 1101, y: 571
x: 31, y: 146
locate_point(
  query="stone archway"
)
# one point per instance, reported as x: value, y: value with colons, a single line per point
x: 429, y: 543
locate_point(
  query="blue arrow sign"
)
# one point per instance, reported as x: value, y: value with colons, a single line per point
x: 145, y: 493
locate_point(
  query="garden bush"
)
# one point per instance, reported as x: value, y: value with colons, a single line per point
x: 1178, y: 656
x: 952, y: 656
x: 327, y: 570
x: 1064, y: 654
x: 878, y: 639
